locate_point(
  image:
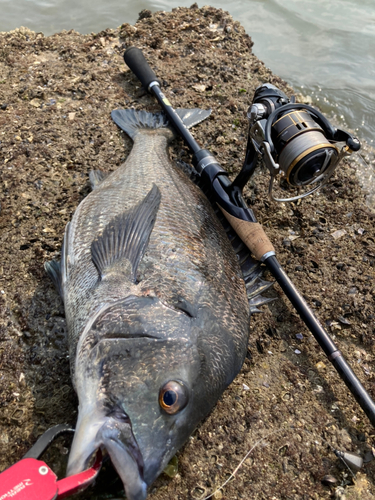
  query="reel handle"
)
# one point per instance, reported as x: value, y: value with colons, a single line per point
x: 136, y: 61
x: 352, y: 142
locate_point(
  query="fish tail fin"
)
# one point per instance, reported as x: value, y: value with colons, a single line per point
x: 132, y: 121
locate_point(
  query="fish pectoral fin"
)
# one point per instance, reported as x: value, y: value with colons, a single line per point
x: 126, y: 236
x: 96, y: 177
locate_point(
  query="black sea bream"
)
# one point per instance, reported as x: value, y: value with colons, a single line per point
x: 156, y: 307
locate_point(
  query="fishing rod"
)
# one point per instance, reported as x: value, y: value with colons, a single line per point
x: 304, y: 155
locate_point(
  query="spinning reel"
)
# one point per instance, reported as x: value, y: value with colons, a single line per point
x: 295, y: 142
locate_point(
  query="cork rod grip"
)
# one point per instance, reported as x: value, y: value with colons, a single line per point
x: 252, y: 234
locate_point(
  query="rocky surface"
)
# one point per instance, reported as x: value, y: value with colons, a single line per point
x: 56, y: 95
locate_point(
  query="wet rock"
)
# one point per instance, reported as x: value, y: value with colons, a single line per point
x: 344, y: 439
x: 283, y: 346
x: 317, y: 303
x: 144, y: 14
x: 369, y: 457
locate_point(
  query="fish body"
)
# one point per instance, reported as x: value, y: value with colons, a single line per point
x: 156, y: 308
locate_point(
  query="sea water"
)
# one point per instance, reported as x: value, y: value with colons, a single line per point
x: 323, y: 49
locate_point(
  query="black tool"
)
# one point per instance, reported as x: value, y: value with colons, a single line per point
x: 228, y: 197
x: 43, y: 442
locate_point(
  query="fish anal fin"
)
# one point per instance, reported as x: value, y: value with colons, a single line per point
x: 126, y: 237
x: 254, y: 289
x: 252, y: 272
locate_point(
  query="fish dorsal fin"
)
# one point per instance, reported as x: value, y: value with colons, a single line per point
x: 57, y: 270
x: 53, y: 270
x: 126, y: 236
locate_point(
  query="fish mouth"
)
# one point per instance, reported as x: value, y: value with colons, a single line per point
x: 114, y: 433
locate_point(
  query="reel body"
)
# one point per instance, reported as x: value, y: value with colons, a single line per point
x: 295, y: 141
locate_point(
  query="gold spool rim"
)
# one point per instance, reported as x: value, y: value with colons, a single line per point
x: 308, y: 151
x: 292, y: 112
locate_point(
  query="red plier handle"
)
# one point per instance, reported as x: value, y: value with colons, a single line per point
x: 32, y: 479
x: 78, y: 482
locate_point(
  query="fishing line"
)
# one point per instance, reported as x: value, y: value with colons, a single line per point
x: 362, y: 158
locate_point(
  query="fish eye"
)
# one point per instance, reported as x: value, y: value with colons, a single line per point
x: 173, y: 397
